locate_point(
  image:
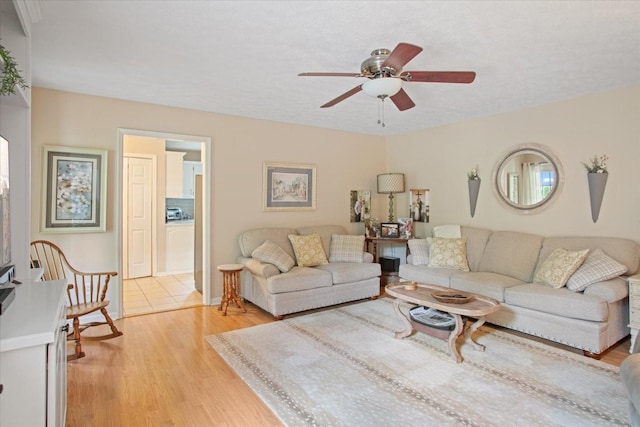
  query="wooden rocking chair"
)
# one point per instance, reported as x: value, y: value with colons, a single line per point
x: 85, y: 292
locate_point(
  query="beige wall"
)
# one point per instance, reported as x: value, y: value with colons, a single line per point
x: 344, y: 162
x: 607, y: 123
x: 437, y: 159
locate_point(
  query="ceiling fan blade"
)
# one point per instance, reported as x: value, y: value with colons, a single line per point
x: 439, y: 76
x: 330, y: 75
x: 402, y: 100
x: 342, y: 97
x: 402, y: 54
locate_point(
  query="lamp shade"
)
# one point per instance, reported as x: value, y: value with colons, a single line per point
x: 382, y: 86
x: 391, y: 183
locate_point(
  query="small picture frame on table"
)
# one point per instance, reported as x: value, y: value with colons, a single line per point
x: 390, y: 230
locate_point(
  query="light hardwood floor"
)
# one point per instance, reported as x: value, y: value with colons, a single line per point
x: 162, y: 372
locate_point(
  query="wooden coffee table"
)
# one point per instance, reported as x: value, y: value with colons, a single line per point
x: 478, y: 308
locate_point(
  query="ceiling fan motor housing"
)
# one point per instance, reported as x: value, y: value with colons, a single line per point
x: 372, y: 66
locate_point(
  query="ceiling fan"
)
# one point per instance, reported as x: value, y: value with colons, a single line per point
x: 384, y: 71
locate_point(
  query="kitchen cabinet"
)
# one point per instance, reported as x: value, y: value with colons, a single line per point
x: 180, y: 241
x: 174, y: 174
x: 189, y: 171
x: 33, y: 360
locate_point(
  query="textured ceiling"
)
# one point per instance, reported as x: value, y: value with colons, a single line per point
x: 242, y: 57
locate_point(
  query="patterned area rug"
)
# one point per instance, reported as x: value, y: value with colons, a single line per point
x: 343, y: 367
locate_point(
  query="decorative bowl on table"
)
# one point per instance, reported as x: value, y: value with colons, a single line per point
x: 451, y: 297
x: 410, y: 286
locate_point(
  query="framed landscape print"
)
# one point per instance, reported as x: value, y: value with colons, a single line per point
x: 74, y: 190
x: 289, y: 187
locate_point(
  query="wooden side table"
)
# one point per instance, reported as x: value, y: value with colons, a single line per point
x: 230, y: 286
x: 371, y: 246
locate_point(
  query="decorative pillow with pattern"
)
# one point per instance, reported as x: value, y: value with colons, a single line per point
x: 559, y: 266
x: 271, y: 253
x: 419, y: 251
x: 598, y: 267
x: 308, y: 249
x: 346, y: 248
x: 448, y: 253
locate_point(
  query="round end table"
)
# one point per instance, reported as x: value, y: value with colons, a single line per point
x: 230, y: 286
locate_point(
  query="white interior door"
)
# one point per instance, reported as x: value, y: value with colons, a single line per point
x: 139, y: 215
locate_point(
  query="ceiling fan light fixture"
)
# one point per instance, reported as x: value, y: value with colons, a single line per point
x: 382, y: 86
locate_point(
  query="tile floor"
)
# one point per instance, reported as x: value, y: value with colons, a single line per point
x: 163, y: 293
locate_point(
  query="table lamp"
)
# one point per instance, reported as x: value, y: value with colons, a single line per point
x: 389, y: 183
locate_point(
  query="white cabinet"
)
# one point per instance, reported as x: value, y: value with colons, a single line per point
x: 189, y: 171
x: 33, y: 361
x: 180, y: 247
x: 634, y: 308
x: 173, y: 174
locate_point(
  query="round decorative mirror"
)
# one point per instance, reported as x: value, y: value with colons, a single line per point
x: 527, y: 178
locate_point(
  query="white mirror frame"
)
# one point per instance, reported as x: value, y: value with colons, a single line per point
x: 501, y: 193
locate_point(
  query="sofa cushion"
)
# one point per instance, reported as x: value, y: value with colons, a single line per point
x: 490, y: 285
x: 346, y: 248
x: 348, y: 272
x: 448, y: 253
x: 251, y: 239
x: 273, y: 254
x: 424, y: 274
x: 596, y: 268
x: 299, y: 279
x: 559, y: 266
x: 419, y: 251
x: 612, y: 290
x: 308, y: 249
x: 512, y: 254
x: 476, y: 241
x: 561, y: 302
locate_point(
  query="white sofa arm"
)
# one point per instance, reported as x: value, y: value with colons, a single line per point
x: 258, y: 268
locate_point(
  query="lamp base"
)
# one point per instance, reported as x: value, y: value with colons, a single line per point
x: 390, y: 207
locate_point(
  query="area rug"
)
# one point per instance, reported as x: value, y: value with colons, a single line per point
x: 343, y: 367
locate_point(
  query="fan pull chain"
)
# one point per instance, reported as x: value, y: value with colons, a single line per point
x: 381, y: 109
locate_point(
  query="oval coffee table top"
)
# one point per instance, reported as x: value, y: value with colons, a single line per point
x: 477, y: 306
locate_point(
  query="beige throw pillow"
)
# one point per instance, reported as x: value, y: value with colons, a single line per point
x: 308, y: 249
x: 271, y: 253
x: 448, y: 253
x: 559, y: 266
x: 346, y: 248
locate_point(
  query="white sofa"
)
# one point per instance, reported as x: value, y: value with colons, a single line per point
x: 502, y: 266
x: 303, y: 288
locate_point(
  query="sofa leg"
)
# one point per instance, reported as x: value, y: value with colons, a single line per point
x: 280, y: 317
x: 374, y: 297
x: 596, y: 356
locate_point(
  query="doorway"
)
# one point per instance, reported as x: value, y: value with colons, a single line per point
x: 150, y: 281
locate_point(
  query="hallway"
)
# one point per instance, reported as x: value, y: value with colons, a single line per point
x: 155, y: 294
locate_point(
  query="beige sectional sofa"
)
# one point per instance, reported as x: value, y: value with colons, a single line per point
x: 502, y: 265
x: 289, y: 289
